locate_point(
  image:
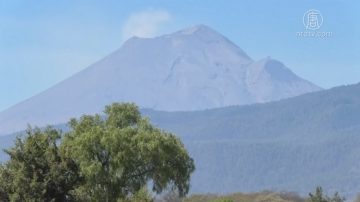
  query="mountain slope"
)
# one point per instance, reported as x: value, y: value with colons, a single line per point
x: 307, y: 117
x: 192, y: 69
x: 294, y: 144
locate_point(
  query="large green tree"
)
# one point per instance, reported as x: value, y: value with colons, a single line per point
x: 37, y: 170
x: 102, y: 158
x: 121, y: 152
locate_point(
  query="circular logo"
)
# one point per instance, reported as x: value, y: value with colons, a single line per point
x: 312, y: 19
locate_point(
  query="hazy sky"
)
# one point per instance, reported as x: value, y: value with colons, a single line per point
x: 43, y: 42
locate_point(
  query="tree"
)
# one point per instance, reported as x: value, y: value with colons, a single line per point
x: 319, y: 196
x: 4, y: 182
x: 120, y: 153
x: 37, y: 170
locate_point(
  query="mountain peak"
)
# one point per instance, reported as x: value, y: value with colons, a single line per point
x: 197, y: 67
x: 202, y: 32
x: 196, y: 29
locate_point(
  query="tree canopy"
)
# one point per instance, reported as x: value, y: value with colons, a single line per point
x: 121, y: 153
x: 37, y: 170
x: 111, y: 157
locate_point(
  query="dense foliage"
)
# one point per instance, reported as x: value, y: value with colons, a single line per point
x: 38, y: 170
x: 111, y: 158
x: 120, y: 154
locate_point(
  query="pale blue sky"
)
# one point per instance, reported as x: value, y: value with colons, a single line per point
x: 43, y: 42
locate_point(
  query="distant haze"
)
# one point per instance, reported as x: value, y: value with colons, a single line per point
x: 192, y: 69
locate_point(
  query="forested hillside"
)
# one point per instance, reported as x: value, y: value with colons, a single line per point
x: 293, y: 144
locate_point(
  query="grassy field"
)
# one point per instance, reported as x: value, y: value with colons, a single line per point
x: 265, y: 196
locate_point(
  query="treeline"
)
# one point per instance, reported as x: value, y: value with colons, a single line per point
x: 110, y: 159
x: 266, y: 196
